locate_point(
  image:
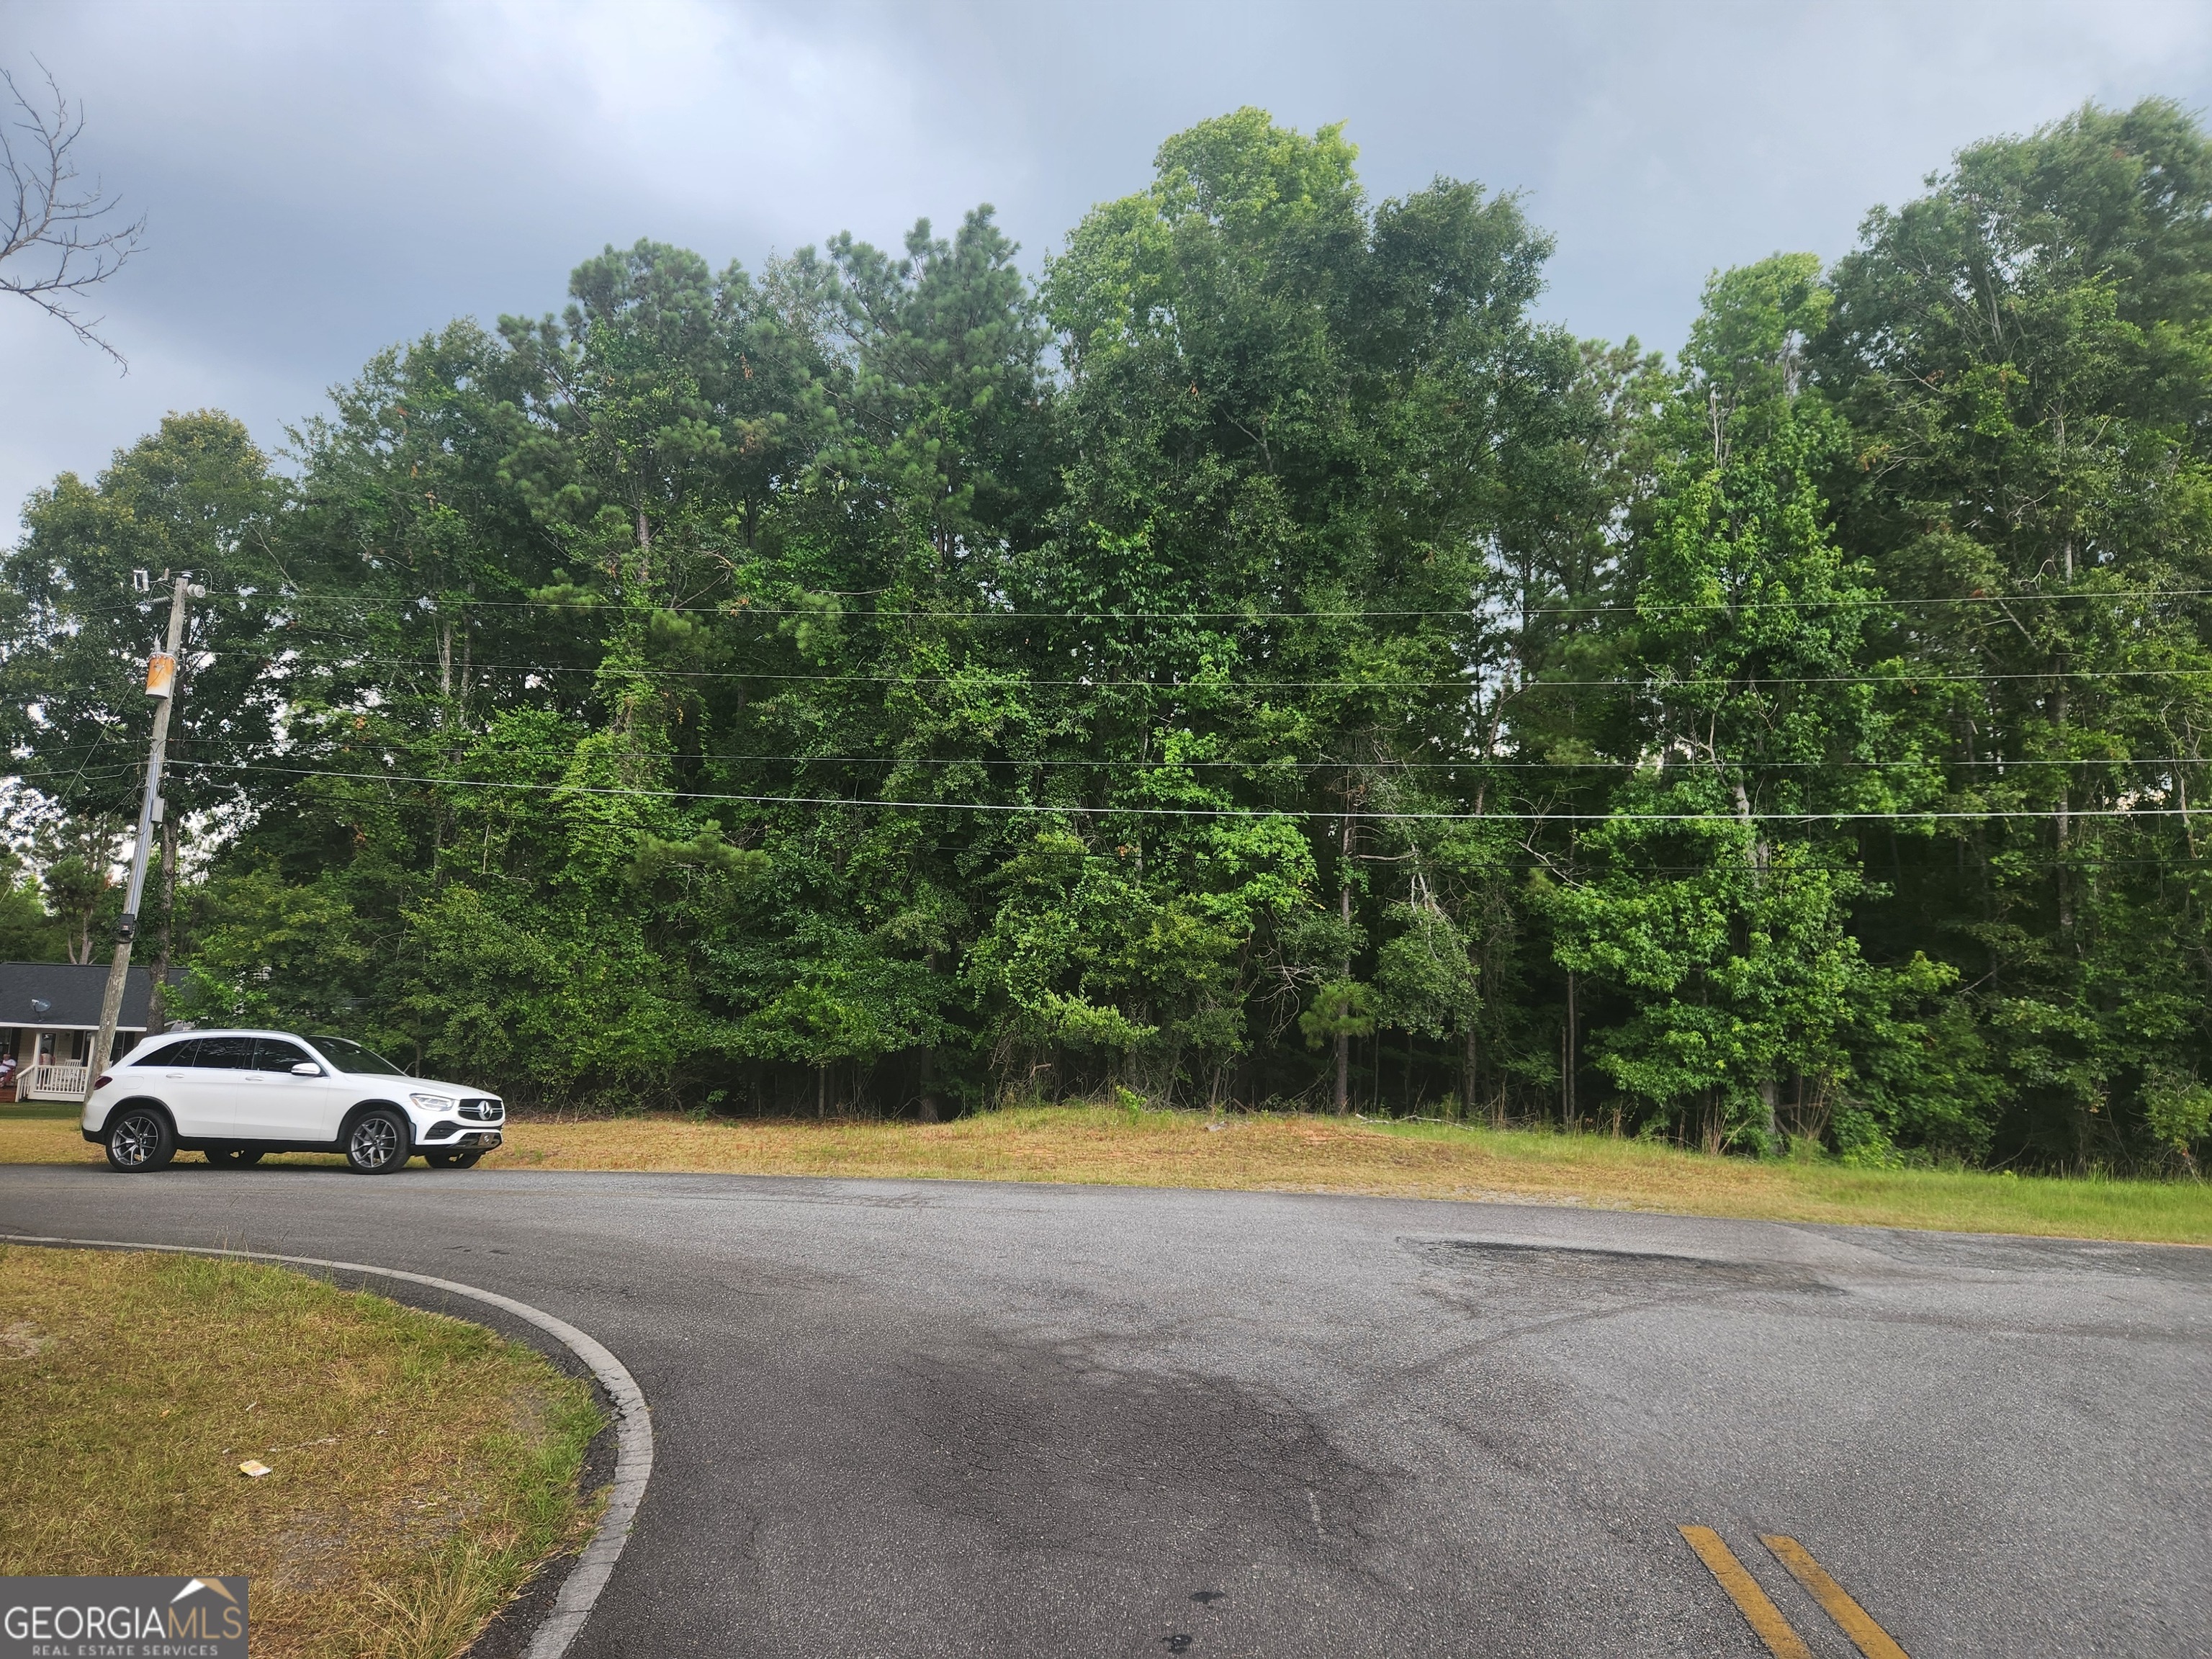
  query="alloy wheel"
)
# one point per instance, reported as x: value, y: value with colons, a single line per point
x: 375, y: 1139
x: 136, y: 1139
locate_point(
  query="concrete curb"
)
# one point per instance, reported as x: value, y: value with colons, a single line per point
x: 633, y: 1423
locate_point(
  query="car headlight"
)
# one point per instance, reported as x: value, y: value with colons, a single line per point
x: 434, y: 1102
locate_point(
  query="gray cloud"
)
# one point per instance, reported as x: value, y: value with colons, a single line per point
x: 322, y: 181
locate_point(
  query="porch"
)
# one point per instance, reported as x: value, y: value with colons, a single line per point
x: 54, y: 1083
x: 49, y: 1021
x: 50, y: 1065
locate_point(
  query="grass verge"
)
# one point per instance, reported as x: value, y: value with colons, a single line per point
x: 422, y: 1465
x: 1317, y: 1154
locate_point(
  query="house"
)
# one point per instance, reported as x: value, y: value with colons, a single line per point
x: 50, y: 1019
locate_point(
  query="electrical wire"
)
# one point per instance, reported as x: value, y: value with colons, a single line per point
x: 1505, y: 611
x: 285, y: 659
x: 1469, y: 764
x: 1478, y: 763
x: 1206, y: 811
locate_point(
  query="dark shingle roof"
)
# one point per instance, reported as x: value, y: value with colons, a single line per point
x: 74, y: 991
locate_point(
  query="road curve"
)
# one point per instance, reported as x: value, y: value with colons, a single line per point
x: 910, y: 1419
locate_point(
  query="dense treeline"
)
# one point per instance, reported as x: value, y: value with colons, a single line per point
x: 1257, y: 662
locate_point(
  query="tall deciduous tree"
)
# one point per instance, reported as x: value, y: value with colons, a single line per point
x: 1257, y: 663
x: 2024, y: 355
x: 76, y: 626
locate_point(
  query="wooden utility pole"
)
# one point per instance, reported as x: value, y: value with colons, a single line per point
x: 1570, y: 1113
x: 161, y: 685
x: 1343, y: 1014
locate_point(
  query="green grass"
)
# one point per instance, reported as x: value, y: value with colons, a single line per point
x: 423, y: 1465
x: 2091, y: 1205
x: 1307, y: 1152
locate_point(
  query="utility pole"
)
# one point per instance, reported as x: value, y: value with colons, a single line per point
x: 161, y: 685
x: 1343, y: 1014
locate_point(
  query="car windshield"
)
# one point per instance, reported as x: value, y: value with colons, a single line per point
x: 350, y: 1057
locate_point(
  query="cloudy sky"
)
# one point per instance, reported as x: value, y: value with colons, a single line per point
x: 323, y: 179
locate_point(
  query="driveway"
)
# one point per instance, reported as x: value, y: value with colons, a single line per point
x: 917, y: 1418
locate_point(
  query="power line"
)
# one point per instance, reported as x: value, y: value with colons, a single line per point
x: 1503, y: 610
x: 1472, y: 763
x: 1206, y: 811
x: 285, y: 658
x: 1478, y: 763
x: 44, y: 783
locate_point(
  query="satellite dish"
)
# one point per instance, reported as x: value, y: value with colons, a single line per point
x: 40, y: 1006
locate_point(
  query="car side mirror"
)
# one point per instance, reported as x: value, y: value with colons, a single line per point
x: 307, y: 1068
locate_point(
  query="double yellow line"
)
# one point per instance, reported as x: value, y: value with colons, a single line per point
x: 1766, y: 1619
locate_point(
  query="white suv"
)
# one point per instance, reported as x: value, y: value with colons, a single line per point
x: 236, y: 1095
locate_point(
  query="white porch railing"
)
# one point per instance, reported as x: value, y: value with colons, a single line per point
x: 54, y: 1083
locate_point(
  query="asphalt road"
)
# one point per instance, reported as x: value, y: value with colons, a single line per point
x: 924, y: 1418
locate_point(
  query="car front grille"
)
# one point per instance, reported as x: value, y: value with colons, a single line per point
x: 480, y: 1111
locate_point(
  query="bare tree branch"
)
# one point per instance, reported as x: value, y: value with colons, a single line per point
x: 58, y: 243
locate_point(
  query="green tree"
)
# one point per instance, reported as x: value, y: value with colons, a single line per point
x: 2023, y: 354
x: 1258, y: 662
x: 75, y: 631
x: 1294, y: 419
x: 28, y: 932
x: 1713, y: 900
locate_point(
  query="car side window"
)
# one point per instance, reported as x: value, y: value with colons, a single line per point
x: 270, y: 1055
x: 226, y: 1054
x: 170, y: 1054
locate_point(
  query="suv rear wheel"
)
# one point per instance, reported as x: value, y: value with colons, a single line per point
x: 140, y: 1139
x: 377, y: 1143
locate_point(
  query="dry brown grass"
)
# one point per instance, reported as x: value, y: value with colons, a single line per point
x: 423, y: 1465
x: 1306, y: 1153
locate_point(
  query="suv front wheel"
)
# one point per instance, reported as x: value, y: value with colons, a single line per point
x: 377, y: 1142
x: 140, y: 1139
